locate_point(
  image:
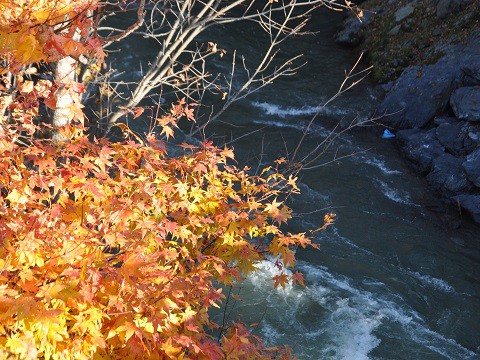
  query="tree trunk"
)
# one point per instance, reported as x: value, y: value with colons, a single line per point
x: 65, y: 77
x: 6, y: 99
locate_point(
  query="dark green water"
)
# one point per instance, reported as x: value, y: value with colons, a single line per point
x: 390, y: 281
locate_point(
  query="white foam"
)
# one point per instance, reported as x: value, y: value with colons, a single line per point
x: 394, y: 195
x: 359, y: 313
x: 350, y: 319
x: 353, y: 335
x: 262, y: 278
x: 348, y: 330
x: 280, y: 124
x: 283, y: 112
x: 446, y: 347
x: 297, y: 125
x: 350, y: 325
x: 312, y: 194
x: 431, y: 281
x: 270, y: 333
x: 380, y: 164
x: 337, y: 237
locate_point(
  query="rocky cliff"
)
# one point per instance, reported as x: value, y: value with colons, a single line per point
x: 426, y: 53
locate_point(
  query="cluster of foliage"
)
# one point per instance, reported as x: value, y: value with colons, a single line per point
x: 44, y: 30
x: 115, y: 250
x: 36, y: 32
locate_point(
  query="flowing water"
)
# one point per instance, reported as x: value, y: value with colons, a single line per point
x: 390, y: 281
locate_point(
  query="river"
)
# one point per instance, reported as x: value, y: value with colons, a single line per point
x: 390, y: 281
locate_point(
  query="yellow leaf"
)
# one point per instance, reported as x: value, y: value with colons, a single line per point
x: 26, y: 87
x: 17, y: 198
x: 29, y: 50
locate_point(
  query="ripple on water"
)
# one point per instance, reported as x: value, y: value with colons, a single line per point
x: 352, y: 322
x: 436, y: 283
x: 284, y: 111
x: 378, y: 163
x: 396, y: 195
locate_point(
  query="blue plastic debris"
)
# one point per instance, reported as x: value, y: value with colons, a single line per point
x: 387, y: 134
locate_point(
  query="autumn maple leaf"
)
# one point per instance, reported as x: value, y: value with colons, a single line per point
x: 280, y: 280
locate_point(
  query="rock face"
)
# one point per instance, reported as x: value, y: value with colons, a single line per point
x: 472, y: 167
x: 421, y: 147
x: 433, y: 108
x: 446, y: 7
x: 449, y: 151
x: 404, y: 12
x: 448, y: 174
x: 471, y: 77
x: 352, y: 32
x: 471, y: 204
x: 419, y: 94
x: 395, y: 30
x: 465, y: 103
x: 458, y: 137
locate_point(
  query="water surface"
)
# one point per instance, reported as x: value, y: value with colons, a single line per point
x: 390, y: 280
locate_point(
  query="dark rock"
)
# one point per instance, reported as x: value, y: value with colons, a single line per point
x: 421, y: 92
x: 470, y: 203
x: 404, y: 12
x: 353, y: 30
x: 446, y: 7
x: 456, y: 137
x: 445, y: 120
x: 448, y: 174
x: 397, y: 62
x: 420, y: 147
x: 472, y: 167
x: 395, y: 30
x: 474, y: 133
x: 387, y: 87
x: 388, y: 74
x: 471, y: 76
x: 408, y: 25
x: 436, y: 32
x: 465, y: 103
x: 443, y: 8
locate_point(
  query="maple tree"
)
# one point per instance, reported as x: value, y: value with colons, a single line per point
x: 76, y: 36
x: 115, y: 250
x: 43, y: 30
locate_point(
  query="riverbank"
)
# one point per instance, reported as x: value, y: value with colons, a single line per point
x: 426, y: 56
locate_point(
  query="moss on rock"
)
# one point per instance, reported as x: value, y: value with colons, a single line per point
x: 416, y: 39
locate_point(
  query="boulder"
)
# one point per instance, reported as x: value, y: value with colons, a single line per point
x: 471, y: 204
x: 448, y: 175
x: 353, y: 30
x: 395, y: 30
x: 472, y: 167
x: 456, y: 137
x: 439, y: 120
x: 446, y: 7
x: 471, y: 76
x: 404, y: 12
x: 465, y: 103
x: 436, y: 32
x: 420, y: 147
x: 421, y: 92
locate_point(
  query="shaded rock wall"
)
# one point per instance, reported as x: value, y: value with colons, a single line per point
x: 433, y: 99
